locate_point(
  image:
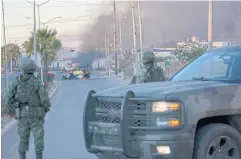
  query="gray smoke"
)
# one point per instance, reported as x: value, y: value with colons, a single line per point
x: 164, y: 23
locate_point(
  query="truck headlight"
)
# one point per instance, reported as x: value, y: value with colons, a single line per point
x: 172, y: 117
x: 168, y: 122
x: 161, y: 106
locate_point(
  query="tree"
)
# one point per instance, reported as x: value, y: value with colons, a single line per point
x: 47, y: 45
x: 126, y: 62
x: 13, y: 51
x: 28, y: 46
x: 189, y: 51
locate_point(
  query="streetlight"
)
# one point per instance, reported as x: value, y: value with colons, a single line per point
x: 34, y: 30
x: 39, y: 5
x: 47, y: 21
x: 51, y: 20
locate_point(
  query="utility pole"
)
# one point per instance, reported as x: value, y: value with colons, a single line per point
x: 123, y: 16
x: 210, y: 24
x: 41, y: 67
x: 11, y: 60
x: 115, y: 48
x: 140, y: 29
x: 39, y: 5
x: 34, y: 30
x: 15, y: 42
x: 39, y: 25
x: 134, y: 37
x: 62, y: 57
x: 163, y: 36
x: 97, y: 49
x: 108, y: 53
x: 5, y: 47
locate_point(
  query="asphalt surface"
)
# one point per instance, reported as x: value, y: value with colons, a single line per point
x: 63, y: 126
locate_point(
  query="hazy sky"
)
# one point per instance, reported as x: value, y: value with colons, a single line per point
x: 18, y: 26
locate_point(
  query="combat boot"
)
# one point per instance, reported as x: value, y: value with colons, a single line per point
x: 39, y: 155
x: 22, y: 155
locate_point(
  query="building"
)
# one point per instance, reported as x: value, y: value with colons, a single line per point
x: 163, y: 52
x: 202, y: 42
x: 220, y: 44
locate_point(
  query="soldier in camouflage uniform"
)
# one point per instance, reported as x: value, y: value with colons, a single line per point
x: 148, y: 71
x: 28, y: 101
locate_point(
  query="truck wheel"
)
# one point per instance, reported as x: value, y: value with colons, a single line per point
x: 235, y: 121
x: 217, y: 141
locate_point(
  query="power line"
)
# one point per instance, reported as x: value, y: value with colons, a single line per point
x: 238, y: 9
x: 24, y: 25
x: 57, y: 36
x: 72, y: 5
x: 236, y: 23
x: 79, y: 2
x: 15, y: 26
x: 75, y: 19
x: 77, y: 5
x: 17, y: 38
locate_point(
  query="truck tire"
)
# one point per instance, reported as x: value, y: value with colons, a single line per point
x: 235, y: 121
x: 218, y: 140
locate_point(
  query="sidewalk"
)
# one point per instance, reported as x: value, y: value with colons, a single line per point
x: 7, y: 122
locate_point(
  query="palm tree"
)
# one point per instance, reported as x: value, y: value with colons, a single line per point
x: 12, y: 50
x: 47, y: 45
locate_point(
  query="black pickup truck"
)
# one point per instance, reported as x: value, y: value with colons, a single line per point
x: 196, y: 114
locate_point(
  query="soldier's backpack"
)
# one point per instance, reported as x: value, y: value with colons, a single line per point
x: 27, y: 92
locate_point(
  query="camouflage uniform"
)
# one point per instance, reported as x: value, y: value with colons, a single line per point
x: 148, y: 71
x: 28, y: 100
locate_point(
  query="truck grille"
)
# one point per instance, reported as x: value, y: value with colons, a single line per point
x: 103, y: 119
x: 103, y: 110
x: 109, y: 112
x: 108, y: 105
x: 106, y: 130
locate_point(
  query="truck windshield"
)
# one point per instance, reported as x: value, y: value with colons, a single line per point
x: 213, y: 66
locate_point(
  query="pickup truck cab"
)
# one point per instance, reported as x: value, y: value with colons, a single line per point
x: 194, y: 115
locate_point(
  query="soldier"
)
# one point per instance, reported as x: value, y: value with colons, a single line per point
x: 148, y: 71
x: 28, y: 101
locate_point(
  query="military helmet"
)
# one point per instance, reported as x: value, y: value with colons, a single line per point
x: 148, y: 56
x: 28, y: 66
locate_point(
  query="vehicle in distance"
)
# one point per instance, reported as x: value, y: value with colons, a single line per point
x: 196, y: 114
x: 77, y: 73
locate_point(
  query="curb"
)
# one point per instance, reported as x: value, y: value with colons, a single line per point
x: 124, y: 81
x: 8, y: 127
x: 55, y: 89
x: 112, y: 76
x: 12, y: 123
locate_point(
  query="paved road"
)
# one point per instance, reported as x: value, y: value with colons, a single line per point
x: 63, y: 127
